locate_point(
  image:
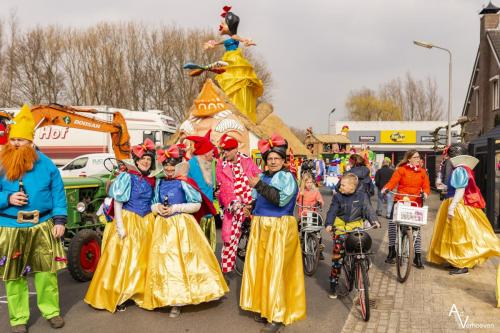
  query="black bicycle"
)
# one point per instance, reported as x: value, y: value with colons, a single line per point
x: 241, y: 252
x: 355, y: 266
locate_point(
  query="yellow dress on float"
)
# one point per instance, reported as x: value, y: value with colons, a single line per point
x: 182, y: 267
x: 467, y: 239
x: 273, y: 277
x: 239, y: 81
x: 121, y: 272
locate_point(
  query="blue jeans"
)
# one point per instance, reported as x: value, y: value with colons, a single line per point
x: 380, y: 203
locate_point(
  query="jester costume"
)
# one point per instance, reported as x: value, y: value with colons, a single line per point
x: 27, y: 244
x: 467, y: 238
x: 182, y: 267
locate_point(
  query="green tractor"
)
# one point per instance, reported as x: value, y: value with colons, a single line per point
x: 84, y: 229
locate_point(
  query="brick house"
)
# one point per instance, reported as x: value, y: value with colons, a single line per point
x: 482, y: 109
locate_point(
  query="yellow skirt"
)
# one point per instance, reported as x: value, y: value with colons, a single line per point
x: 182, y: 267
x: 498, y: 286
x: 240, y: 83
x: 121, y: 272
x: 273, y: 278
x: 464, y: 241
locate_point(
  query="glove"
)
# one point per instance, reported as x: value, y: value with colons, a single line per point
x: 188, y: 208
x: 120, y: 229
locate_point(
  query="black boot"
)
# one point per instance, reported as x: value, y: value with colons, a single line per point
x: 272, y: 327
x: 391, y: 256
x: 333, y: 290
x: 458, y: 271
x: 417, y: 261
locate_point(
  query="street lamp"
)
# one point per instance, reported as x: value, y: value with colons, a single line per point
x: 331, y: 112
x: 430, y: 46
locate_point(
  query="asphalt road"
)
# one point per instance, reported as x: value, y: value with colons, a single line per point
x: 323, y: 314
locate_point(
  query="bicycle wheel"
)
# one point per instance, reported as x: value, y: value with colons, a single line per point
x: 363, y: 289
x: 405, y: 258
x: 311, y: 254
x: 348, y: 273
x: 239, y: 263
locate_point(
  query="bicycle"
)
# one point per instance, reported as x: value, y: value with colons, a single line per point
x: 409, y: 217
x: 241, y: 251
x: 310, y: 225
x: 355, y: 265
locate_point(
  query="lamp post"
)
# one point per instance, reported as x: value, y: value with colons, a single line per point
x: 331, y: 112
x: 430, y: 46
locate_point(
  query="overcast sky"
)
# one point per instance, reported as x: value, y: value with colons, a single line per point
x: 317, y: 50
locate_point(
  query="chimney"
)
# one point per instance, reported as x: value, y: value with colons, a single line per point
x: 490, y: 18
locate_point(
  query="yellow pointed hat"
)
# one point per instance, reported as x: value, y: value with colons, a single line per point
x: 24, y: 125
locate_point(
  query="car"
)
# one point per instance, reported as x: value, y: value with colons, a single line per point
x: 86, y: 165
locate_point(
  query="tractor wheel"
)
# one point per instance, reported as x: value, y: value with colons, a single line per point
x: 84, y: 251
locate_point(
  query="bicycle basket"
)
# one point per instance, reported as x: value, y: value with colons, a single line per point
x: 358, y: 242
x: 310, y: 219
x: 411, y: 215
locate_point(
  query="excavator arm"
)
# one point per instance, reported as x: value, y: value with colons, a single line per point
x: 67, y: 116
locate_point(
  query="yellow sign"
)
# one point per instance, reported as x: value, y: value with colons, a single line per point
x: 398, y: 137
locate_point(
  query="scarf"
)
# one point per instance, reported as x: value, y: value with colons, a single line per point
x: 415, y: 168
x: 243, y: 193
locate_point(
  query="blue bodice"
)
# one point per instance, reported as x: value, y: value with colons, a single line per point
x: 173, y: 189
x: 141, y: 194
x: 264, y: 207
x: 231, y: 44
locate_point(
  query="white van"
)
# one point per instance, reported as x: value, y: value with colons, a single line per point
x: 86, y: 165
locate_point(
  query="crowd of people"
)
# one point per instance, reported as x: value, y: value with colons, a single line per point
x: 159, y: 248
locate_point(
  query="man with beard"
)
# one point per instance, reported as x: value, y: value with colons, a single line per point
x: 235, y: 196
x: 201, y: 171
x: 33, y: 213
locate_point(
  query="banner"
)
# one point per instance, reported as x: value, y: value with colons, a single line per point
x: 398, y: 137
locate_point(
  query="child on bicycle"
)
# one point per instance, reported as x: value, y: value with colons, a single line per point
x: 347, y: 211
x: 309, y: 199
x: 309, y: 195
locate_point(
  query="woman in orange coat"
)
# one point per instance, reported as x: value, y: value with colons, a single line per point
x: 410, y: 178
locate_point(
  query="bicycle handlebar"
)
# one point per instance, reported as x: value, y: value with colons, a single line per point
x: 407, y: 195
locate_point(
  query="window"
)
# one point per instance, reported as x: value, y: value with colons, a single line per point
x: 495, y: 94
x: 79, y: 163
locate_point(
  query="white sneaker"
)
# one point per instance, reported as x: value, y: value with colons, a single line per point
x: 175, y: 312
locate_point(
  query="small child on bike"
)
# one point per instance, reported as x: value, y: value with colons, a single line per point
x: 347, y: 212
x: 309, y: 199
x: 309, y: 195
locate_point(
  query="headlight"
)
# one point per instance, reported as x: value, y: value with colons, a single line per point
x: 81, y: 207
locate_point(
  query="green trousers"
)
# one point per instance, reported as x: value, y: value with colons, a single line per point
x: 47, y: 295
x: 207, y: 225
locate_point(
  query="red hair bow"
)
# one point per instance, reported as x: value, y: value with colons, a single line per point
x: 141, y: 149
x: 275, y: 140
x: 225, y: 10
x: 172, y: 152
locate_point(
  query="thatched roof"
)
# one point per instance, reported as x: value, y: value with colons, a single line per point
x: 270, y: 123
x: 330, y: 138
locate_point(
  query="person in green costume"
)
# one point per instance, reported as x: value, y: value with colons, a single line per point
x: 33, y: 213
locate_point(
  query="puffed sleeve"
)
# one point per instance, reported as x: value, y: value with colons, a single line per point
x: 286, y: 185
x: 459, y: 178
x: 121, y: 187
x: 192, y: 195
x: 156, y: 196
